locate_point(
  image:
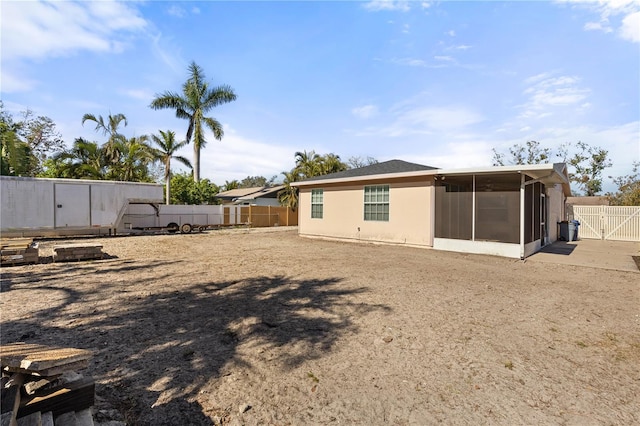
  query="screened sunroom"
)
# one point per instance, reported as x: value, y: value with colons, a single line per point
x: 507, y: 211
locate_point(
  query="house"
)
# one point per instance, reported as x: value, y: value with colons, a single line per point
x: 508, y: 211
x: 256, y: 196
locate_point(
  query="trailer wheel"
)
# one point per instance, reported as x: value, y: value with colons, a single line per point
x: 172, y: 228
x: 185, y: 228
x: 202, y: 228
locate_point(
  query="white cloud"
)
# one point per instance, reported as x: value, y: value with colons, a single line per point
x: 547, y: 92
x: 177, y: 11
x: 622, y: 16
x: 412, y: 62
x: 228, y: 159
x: 630, y: 29
x: 389, y: 5
x: 443, y: 58
x: 409, y: 118
x: 597, y: 26
x: 38, y: 29
x: 140, y: 94
x: 15, y: 82
x: 451, y: 33
x: 365, y: 111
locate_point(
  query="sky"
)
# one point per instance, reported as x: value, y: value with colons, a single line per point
x: 437, y: 83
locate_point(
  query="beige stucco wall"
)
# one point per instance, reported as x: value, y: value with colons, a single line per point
x: 410, y: 213
x: 555, y: 200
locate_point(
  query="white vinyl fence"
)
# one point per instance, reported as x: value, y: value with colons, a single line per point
x: 608, y: 222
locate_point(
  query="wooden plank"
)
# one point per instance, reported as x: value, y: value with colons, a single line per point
x: 38, y: 358
x: 15, y: 243
x: 47, y: 419
x: 75, y: 246
x: 33, y: 419
x: 53, y: 371
x: 11, y: 399
x: 75, y: 396
x: 84, y: 417
x: 66, y: 419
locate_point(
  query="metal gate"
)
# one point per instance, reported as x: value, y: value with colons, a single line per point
x: 608, y: 222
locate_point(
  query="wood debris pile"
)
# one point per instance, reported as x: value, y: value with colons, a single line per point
x: 18, y: 251
x: 41, y: 386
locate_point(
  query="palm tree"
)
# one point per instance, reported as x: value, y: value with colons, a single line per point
x: 288, y: 196
x: 168, y: 148
x: 135, y: 157
x: 331, y: 163
x: 110, y: 129
x: 196, y: 100
x: 229, y: 185
x: 308, y: 164
x: 85, y: 160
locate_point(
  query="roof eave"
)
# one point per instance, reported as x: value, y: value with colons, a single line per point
x: 380, y: 176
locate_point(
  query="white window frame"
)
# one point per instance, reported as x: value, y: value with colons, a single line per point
x: 317, y: 203
x: 377, y: 198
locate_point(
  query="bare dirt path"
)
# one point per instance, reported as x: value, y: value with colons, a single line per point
x: 270, y: 328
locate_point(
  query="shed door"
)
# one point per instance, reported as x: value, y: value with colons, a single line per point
x: 72, y: 205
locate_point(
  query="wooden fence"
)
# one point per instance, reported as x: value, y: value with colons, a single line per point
x: 608, y: 222
x: 260, y: 216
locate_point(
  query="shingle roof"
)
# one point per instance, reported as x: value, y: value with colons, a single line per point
x: 391, y: 166
x: 246, y: 192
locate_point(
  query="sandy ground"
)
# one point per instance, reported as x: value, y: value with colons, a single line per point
x: 267, y: 328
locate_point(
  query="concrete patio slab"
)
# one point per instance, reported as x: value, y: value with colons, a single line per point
x: 617, y: 255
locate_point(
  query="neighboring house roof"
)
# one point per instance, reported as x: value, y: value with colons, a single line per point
x: 250, y: 193
x: 547, y: 173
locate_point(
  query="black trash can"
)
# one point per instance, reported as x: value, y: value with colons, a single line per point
x: 573, y: 230
x: 563, y: 235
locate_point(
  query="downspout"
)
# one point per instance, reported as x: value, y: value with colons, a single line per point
x: 473, y: 208
x: 522, y: 224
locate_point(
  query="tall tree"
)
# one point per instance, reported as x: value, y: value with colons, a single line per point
x: 529, y: 153
x: 195, y: 101
x: 356, y: 162
x: 331, y: 163
x: 187, y: 191
x: 255, y: 181
x: 168, y: 147
x: 85, y: 160
x: 307, y: 163
x: 14, y: 152
x: 229, y: 185
x: 109, y: 128
x: 288, y: 196
x: 135, y: 157
x: 588, y: 163
x: 42, y: 137
x: 25, y: 144
x: 628, y: 193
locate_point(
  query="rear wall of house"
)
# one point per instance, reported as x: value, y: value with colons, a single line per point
x: 410, y: 213
x: 556, y: 201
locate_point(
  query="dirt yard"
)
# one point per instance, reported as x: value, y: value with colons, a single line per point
x: 267, y: 328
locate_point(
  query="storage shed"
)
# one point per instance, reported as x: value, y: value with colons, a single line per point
x: 508, y: 211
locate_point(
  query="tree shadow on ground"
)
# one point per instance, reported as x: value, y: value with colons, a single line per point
x: 153, y: 353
